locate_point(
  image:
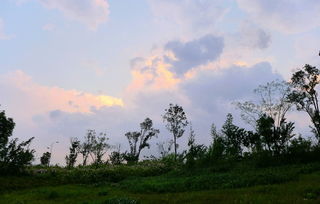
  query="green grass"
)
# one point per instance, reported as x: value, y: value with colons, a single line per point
x: 285, y: 184
x: 305, y: 189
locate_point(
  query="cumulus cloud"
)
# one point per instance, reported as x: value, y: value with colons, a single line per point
x: 289, y: 16
x: 90, y: 12
x: 194, y: 53
x: 206, y: 98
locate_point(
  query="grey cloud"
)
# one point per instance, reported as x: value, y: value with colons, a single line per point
x: 231, y: 84
x: 193, y: 14
x: 253, y: 36
x: 289, y: 16
x: 194, y: 53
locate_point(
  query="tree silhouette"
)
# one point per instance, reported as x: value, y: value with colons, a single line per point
x: 275, y: 138
x: 45, y: 159
x: 86, y: 146
x: 305, y: 95
x: 176, y: 121
x: 74, y: 150
x: 140, y: 140
x: 13, y: 156
x: 99, y: 147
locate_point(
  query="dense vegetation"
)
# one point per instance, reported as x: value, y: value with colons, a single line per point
x: 267, y: 154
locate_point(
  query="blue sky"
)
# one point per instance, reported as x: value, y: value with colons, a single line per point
x: 71, y: 65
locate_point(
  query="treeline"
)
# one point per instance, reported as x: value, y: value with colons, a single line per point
x: 271, y: 139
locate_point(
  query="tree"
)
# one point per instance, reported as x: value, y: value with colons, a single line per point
x: 86, y: 146
x: 274, y: 138
x: 272, y: 102
x: 140, y: 140
x: 217, y: 148
x: 195, y: 151
x: 305, y: 95
x: 233, y: 137
x: 73, y: 153
x: 45, y: 158
x: 164, y: 148
x: 116, y: 157
x: 99, y: 147
x: 14, y: 157
x: 176, y: 121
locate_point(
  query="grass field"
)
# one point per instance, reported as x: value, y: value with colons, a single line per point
x: 301, y: 185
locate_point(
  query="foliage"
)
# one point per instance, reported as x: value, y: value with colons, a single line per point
x: 116, y: 157
x: 233, y: 137
x: 274, y: 138
x: 140, y: 140
x: 195, y: 151
x: 14, y: 157
x: 305, y: 95
x: 86, y: 146
x: 73, y: 154
x: 45, y: 158
x: 94, y: 146
x: 99, y: 147
x: 176, y: 121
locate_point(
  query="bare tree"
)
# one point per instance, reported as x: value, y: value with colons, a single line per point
x: 272, y: 102
x: 164, y: 147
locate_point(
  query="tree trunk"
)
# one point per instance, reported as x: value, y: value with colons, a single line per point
x: 175, y: 147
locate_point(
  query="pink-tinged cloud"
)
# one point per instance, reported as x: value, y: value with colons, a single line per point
x: 26, y: 98
x: 90, y: 12
x: 152, y: 74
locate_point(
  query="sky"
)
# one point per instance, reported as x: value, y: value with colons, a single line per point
x: 67, y: 66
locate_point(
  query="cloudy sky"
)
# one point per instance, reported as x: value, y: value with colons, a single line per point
x: 71, y: 65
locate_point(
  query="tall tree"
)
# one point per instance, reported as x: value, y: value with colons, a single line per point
x: 233, y: 137
x: 305, y: 95
x: 139, y: 140
x: 176, y: 121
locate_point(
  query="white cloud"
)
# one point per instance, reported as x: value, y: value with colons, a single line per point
x: 289, y: 16
x: 90, y: 12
